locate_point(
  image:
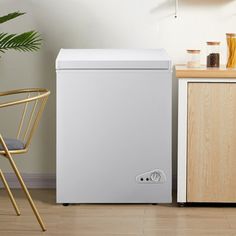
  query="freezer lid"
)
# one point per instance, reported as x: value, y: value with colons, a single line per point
x: 113, y: 59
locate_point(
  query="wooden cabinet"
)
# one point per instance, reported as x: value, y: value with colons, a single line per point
x: 207, y: 136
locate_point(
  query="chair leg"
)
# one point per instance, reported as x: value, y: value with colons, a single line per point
x: 18, y: 175
x: 9, y: 193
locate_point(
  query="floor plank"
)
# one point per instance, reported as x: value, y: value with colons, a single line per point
x: 113, y: 220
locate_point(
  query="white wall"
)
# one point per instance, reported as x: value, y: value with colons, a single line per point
x: 103, y: 24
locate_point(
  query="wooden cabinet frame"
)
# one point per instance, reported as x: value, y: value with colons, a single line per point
x: 183, y: 129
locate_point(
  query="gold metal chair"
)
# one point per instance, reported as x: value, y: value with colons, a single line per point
x: 33, y: 103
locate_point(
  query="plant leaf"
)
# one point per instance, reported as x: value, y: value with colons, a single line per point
x: 27, y: 41
x: 10, y: 16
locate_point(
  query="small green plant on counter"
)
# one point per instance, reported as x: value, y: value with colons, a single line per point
x: 24, y: 42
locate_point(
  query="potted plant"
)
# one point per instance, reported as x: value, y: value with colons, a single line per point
x: 24, y: 42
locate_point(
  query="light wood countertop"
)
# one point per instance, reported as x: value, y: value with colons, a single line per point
x: 183, y: 72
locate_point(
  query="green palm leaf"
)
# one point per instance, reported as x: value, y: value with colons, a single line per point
x: 27, y: 41
x: 10, y: 16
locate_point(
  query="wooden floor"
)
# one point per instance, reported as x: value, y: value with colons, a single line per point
x: 113, y: 220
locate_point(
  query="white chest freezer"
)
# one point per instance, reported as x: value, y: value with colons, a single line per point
x: 113, y: 126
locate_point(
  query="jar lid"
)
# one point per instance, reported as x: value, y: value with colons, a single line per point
x: 193, y: 51
x: 231, y: 34
x: 213, y: 43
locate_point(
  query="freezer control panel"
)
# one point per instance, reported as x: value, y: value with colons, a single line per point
x: 156, y: 176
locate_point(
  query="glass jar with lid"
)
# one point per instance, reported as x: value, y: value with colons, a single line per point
x: 193, y: 60
x: 213, y: 54
x: 231, y: 43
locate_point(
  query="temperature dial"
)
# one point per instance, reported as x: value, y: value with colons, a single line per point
x: 155, y: 176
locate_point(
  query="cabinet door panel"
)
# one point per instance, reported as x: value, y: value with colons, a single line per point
x: 211, y: 166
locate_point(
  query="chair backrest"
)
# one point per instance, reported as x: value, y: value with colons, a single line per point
x: 32, y: 103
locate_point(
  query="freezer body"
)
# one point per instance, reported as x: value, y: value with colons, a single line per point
x: 114, y: 135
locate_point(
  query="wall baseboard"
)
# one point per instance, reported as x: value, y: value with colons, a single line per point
x: 31, y: 180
